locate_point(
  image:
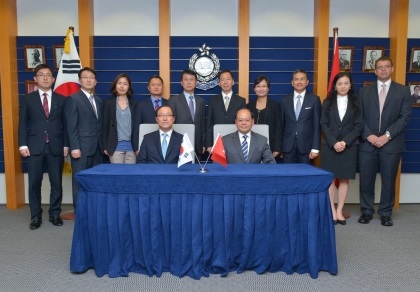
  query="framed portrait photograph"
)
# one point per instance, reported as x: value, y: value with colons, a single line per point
x: 58, y: 54
x: 415, y: 93
x: 34, y: 55
x: 415, y: 60
x: 346, y: 58
x: 30, y: 86
x: 370, y: 55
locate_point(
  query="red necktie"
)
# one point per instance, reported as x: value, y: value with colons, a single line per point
x: 45, y: 105
x: 47, y: 113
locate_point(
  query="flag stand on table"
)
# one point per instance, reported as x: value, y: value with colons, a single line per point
x: 67, y: 83
x: 335, y: 69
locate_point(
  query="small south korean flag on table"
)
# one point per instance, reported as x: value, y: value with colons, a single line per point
x: 186, y: 151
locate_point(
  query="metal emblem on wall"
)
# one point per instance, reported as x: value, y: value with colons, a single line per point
x: 206, y: 66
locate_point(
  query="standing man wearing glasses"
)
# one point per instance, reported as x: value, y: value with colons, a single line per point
x: 163, y: 145
x: 84, y: 127
x: 42, y: 140
x: 386, y: 107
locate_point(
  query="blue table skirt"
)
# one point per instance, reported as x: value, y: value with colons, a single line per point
x: 126, y: 223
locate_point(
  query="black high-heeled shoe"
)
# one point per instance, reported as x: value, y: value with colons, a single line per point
x: 335, y: 222
x: 342, y: 222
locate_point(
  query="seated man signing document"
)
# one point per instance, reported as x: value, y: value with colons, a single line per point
x: 245, y: 146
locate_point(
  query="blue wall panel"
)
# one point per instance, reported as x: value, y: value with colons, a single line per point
x: 275, y: 57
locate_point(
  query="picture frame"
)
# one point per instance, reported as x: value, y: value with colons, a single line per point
x: 367, y: 83
x: 58, y: 54
x: 33, y: 56
x: 415, y: 59
x: 370, y: 55
x: 346, y: 58
x: 415, y: 93
x: 30, y: 86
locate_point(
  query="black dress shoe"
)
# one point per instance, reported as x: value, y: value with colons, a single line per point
x: 56, y: 221
x: 365, y: 218
x: 342, y: 222
x: 386, y: 221
x: 35, y: 223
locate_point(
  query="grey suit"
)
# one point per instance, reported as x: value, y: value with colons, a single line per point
x: 396, y: 114
x: 259, y: 151
x: 182, y: 113
x: 85, y: 133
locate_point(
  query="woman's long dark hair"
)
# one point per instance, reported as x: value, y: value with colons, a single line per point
x: 352, y: 97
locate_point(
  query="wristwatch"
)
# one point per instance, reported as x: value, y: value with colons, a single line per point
x: 388, y: 135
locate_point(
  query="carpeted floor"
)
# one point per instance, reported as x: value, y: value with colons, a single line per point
x: 370, y: 258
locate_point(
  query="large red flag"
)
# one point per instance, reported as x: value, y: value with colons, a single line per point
x: 335, y: 67
x: 67, y: 81
x: 218, y: 151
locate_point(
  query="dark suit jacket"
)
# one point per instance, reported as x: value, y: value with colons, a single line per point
x: 396, y: 114
x: 217, y: 114
x: 33, y: 124
x: 183, y: 116
x: 415, y: 65
x: 307, y: 127
x: 144, y: 114
x: 335, y: 130
x: 272, y: 118
x: 259, y: 151
x: 151, y: 149
x: 84, y: 129
x: 344, y: 64
x: 109, y: 125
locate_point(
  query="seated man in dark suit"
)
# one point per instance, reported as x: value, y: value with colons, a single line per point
x: 245, y: 146
x: 163, y: 145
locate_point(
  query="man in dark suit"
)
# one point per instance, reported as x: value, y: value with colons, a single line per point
x: 300, y: 131
x: 145, y: 112
x: 416, y: 64
x: 222, y: 107
x: 386, y: 109
x: 245, y: 146
x: 189, y: 108
x: 163, y: 145
x: 42, y: 140
x: 84, y: 127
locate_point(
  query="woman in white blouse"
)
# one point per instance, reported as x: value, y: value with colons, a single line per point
x: 341, y: 124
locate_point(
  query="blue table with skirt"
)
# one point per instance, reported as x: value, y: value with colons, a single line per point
x: 155, y: 218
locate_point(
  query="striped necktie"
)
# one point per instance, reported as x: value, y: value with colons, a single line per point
x: 245, y: 147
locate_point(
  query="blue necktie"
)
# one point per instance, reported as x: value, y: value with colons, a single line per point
x: 164, y: 144
x: 191, y: 106
x: 298, y: 107
x: 245, y: 147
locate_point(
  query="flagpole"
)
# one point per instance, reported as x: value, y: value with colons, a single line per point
x: 202, y: 170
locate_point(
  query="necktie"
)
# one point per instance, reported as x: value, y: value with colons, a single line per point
x: 93, y: 105
x: 382, y: 96
x: 298, y: 107
x: 164, y: 144
x: 156, y: 104
x: 45, y: 105
x: 226, y: 102
x: 191, y: 106
x: 47, y: 113
x: 245, y: 147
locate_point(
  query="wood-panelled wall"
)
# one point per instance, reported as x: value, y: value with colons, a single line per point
x: 8, y: 67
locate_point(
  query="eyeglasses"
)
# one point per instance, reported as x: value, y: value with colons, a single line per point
x: 244, y: 120
x: 164, y: 116
x: 44, y: 75
x: 383, y: 67
x: 88, y: 77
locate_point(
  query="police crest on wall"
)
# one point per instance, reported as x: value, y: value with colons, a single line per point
x: 206, y: 66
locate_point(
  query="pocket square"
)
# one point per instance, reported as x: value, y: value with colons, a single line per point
x: 308, y: 107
